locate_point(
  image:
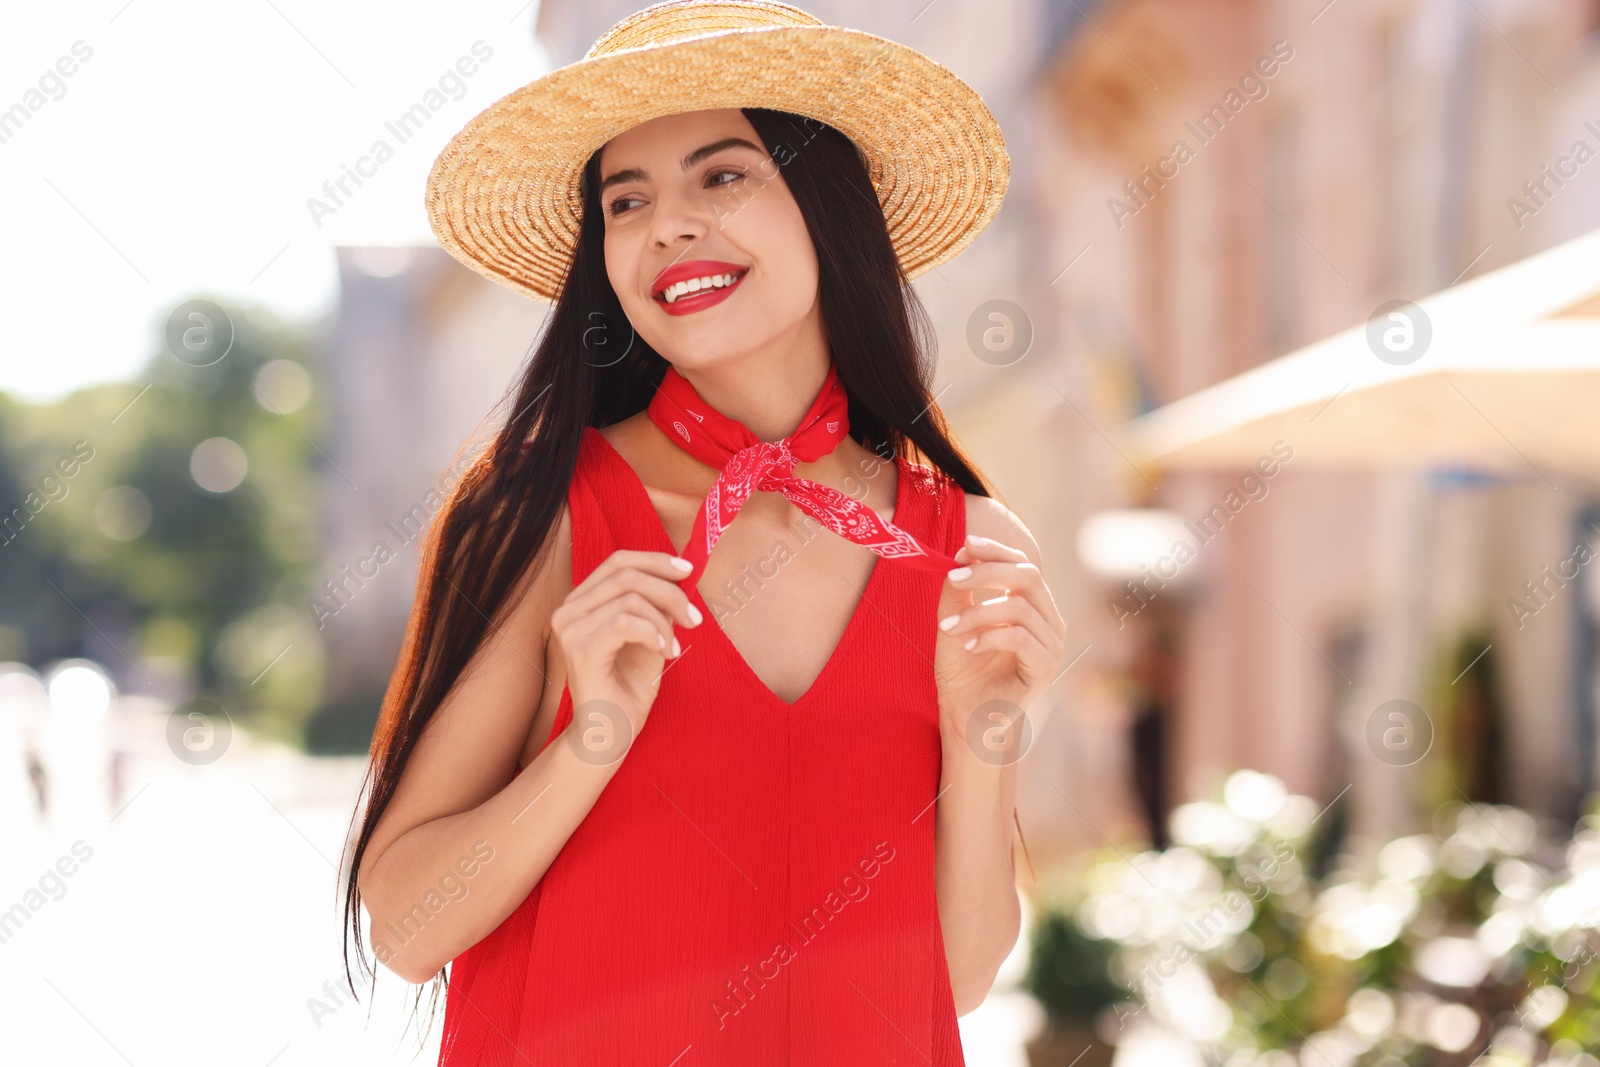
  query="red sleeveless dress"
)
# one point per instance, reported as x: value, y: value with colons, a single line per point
x: 755, y: 884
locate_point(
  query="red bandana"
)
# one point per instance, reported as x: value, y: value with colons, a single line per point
x: 749, y: 463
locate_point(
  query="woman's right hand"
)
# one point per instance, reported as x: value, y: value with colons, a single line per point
x: 615, y: 633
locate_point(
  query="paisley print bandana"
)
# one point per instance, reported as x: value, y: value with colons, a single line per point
x: 749, y: 463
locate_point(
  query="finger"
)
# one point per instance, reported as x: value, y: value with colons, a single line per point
x: 631, y: 603
x: 995, y: 575
x: 599, y: 636
x: 988, y: 548
x: 665, y: 593
x: 659, y: 564
x: 579, y: 623
x: 1022, y: 579
x: 1002, y: 611
x: 1034, y: 657
x: 666, y: 596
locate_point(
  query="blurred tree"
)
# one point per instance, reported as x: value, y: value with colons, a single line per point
x: 177, y: 551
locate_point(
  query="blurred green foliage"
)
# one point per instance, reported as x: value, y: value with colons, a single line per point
x: 1477, y: 942
x: 175, y: 589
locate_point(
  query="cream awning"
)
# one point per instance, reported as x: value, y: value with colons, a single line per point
x: 1509, y: 382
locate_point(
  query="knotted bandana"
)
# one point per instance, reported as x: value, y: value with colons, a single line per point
x: 749, y: 463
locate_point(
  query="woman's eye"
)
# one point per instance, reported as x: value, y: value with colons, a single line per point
x: 617, y: 206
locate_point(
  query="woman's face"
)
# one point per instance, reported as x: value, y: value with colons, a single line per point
x: 678, y: 215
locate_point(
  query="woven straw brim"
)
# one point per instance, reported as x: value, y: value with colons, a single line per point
x: 503, y: 196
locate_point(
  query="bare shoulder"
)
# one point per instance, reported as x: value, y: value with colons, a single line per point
x: 987, y: 517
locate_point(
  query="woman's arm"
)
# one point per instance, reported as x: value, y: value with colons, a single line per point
x: 457, y: 795
x: 976, y: 877
x: 981, y: 693
x: 465, y: 838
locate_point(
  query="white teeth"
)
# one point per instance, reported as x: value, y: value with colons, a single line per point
x: 694, y: 285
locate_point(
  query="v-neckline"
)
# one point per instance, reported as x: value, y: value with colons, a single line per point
x: 841, y: 648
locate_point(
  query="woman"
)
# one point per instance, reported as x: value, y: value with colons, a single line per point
x: 747, y: 800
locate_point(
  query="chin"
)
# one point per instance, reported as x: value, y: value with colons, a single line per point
x: 707, y: 337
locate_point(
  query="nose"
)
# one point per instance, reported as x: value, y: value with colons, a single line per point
x: 678, y: 220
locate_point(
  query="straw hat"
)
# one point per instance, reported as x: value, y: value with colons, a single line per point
x: 503, y: 195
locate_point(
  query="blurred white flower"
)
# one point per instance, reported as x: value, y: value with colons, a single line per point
x: 1370, y: 1013
x: 1294, y: 819
x: 1557, y: 911
x: 1583, y: 852
x: 1212, y: 828
x: 1408, y: 858
x: 1253, y: 795
x: 1330, y: 1048
x: 1352, y: 919
x: 1452, y: 1027
x: 1494, y: 828
x: 1188, y: 1003
x: 1519, y: 879
x: 1152, y: 1046
x: 1453, y: 961
x: 1461, y: 857
x: 1503, y: 931
x: 1542, y: 1007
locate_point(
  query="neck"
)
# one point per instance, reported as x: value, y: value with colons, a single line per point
x: 768, y: 396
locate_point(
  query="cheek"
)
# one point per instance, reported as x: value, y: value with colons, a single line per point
x: 776, y: 233
x: 617, y: 262
x: 622, y: 270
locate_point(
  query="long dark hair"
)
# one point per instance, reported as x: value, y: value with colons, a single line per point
x: 591, y: 369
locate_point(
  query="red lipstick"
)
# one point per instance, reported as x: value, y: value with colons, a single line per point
x: 686, y: 303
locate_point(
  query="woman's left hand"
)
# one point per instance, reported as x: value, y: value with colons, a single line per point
x: 1004, y: 649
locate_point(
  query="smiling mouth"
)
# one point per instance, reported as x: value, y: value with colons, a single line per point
x: 695, y: 286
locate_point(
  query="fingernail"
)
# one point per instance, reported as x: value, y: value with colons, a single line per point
x: 970, y: 642
x: 661, y: 642
x: 682, y: 564
x: 959, y: 573
x: 945, y: 624
x: 694, y: 615
x: 677, y: 649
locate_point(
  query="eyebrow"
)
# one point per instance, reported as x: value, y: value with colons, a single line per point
x: 635, y: 174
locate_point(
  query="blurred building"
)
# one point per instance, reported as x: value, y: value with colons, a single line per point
x: 1241, y: 179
